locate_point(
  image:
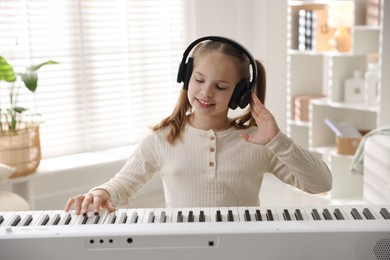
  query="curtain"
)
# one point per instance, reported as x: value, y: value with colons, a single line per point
x: 116, y: 76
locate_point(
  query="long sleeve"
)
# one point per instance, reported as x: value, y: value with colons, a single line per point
x: 298, y: 167
x: 138, y: 169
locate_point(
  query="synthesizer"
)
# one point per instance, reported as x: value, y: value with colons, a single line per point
x: 319, y: 232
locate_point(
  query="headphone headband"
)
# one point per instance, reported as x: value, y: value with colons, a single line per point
x: 233, y: 43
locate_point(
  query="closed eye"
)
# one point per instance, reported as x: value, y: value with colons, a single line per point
x: 222, y: 87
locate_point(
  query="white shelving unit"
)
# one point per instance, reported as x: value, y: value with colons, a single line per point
x: 324, y: 73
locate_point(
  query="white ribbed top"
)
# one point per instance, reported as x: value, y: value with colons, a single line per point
x: 215, y: 169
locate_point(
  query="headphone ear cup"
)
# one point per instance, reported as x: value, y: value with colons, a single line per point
x: 184, y: 73
x: 180, y: 73
x: 245, y: 96
x: 237, y: 93
x: 187, y: 73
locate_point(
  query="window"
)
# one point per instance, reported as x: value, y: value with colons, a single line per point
x: 117, y: 72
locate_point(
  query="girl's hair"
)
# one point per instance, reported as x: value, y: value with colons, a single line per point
x: 179, y: 117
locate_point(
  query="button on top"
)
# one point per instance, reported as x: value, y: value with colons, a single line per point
x: 212, y: 137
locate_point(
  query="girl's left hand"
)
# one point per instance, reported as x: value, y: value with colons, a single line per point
x: 266, y: 123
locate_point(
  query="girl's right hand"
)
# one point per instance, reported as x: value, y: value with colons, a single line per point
x: 97, y: 198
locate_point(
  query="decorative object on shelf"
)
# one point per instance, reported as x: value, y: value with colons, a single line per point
x: 373, y: 11
x: 372, y: 84
x: 347, y: 136
x: 301, y: 107
x: 19, y: 137
x: 347, y: 146
x: 341, y: 18
x: 354, y: 88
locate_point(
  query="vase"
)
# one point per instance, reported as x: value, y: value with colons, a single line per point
x: 342, y: 40
x: 21, y: 149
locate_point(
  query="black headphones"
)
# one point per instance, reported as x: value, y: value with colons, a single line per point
x: 244, y: 88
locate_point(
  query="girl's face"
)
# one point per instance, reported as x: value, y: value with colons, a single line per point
x: 212, y: 83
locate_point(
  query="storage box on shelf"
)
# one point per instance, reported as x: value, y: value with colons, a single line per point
x: 313, y: 72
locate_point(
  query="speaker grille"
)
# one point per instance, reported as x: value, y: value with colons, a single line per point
x: 373, y: 247
x: 382, y: 249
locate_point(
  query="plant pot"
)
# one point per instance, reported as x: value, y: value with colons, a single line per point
x: 21, y: 149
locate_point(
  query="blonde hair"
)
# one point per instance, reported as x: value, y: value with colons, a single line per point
x: 179, y: 117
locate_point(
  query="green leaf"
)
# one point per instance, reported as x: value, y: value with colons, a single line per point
x: 19, y: 109
x: 7, y: 72
x: 30, y: 79
x: 37, y: 67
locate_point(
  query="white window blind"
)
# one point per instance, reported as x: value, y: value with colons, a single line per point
x: 117, y: 72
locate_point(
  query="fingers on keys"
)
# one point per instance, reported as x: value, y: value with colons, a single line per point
x: 82, y: 202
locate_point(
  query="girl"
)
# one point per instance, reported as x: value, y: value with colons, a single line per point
x: 205, y: 158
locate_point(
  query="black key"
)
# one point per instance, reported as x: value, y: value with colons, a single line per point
x: 202, y: 216
x: 15, y: 220
x: 258, y: 215
x: 355, y: 213
x: 247, y: 215
x: 315, y: 214
x: 218, y: 216
x: 151, y: 217
x: 286, y: 215
x: 367, y: 213
x: 123, y: 218
x: 298, y: 214
x: 68, y: 218
x: 327, y: 214
x: 163, y: 217
x: 56, y: 219
x: 44, y: 219
x: 179, y: 217
x: 111, y: 218
x: 134, y: 218
x: 230, y: 216
x: 85, y: 219
x: 1, y: 219
x: 270, y: 216
x: 338, y: 214
x: 27, y: 220
x: 191, y: 216
x: 385, y: 213
x: 96, y: 219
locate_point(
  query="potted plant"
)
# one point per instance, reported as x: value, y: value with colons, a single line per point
x: 19, y: 138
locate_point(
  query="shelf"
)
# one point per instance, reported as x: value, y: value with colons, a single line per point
x: 323, y: 53
x: 298, y: 123
x: 367, y: 28
x: 344, y: 105
x: 323, y: 71
x: 329, y: 151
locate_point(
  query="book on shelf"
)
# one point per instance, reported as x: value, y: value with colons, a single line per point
x: 313, y: 31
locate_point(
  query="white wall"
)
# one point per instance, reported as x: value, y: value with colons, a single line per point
x: 261, y: 26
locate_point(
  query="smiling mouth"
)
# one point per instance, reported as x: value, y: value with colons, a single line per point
x: 203, y: 103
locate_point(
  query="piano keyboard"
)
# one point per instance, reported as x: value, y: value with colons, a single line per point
x: 321, y: 232
x: 195, y: 215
